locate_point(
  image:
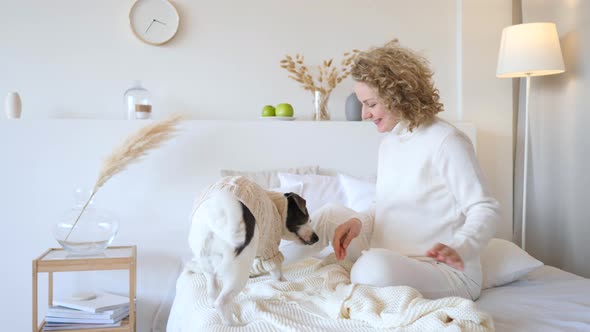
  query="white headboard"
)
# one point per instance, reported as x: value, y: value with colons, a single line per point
x: 44, y: 161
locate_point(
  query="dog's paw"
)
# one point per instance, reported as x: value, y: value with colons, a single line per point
x: 278, y: 277
x: 277, y: 274
x: 227, y: 318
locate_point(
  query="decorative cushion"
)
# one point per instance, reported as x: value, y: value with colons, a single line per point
x: 295, y: 188
x: 360, y: 193
x: 317, y: 190
x: 503, y: 262
x: 268, y: 178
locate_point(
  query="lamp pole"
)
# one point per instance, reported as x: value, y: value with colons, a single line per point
x: 526, y: 158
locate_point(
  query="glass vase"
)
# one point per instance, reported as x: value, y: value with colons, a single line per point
x: 91, y: 234
x: 320, y: 105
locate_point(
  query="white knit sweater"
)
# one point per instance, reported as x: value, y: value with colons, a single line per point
x: 269, y: 211
x: 430, y: 189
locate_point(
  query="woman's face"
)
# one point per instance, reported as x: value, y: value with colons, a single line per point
x: 374, y: 109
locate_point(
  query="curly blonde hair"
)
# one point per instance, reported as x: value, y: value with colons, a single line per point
x: 403, y: 81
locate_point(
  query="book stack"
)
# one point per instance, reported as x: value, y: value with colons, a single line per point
x: 100, y: 311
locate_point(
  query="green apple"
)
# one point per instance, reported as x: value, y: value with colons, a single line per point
x: 268, y: 110
x: 284, y: 109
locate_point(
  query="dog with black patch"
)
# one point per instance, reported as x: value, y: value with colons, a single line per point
x: 235, y: 234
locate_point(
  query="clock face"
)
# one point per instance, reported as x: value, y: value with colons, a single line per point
x: 154, y: 21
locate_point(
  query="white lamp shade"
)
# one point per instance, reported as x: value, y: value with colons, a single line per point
x: 530, y: 49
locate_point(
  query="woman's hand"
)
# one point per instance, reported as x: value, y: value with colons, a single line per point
x: 343, y: 235
x: 447, y: 255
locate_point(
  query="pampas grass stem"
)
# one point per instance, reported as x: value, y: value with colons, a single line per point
x: 132, y: 149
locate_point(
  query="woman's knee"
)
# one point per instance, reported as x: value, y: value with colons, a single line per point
x: 377, y: 267
x: 382, y: 267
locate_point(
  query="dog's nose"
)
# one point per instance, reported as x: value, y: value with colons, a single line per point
x: 314, y: 238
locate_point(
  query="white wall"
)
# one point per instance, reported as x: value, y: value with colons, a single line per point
x: 487, y: 100
x: 74, y: 59
x: 558, y: 217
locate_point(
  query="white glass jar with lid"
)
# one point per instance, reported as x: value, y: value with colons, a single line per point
x: 137, y: 95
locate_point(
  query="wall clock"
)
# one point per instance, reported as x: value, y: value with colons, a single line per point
x: 154, y: 22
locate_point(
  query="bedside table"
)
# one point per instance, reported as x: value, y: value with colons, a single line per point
x: 113, y: 258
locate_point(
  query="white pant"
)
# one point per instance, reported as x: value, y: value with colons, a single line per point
x: 383, y: 267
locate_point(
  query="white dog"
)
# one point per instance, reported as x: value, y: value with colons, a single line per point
x: 235, y: 233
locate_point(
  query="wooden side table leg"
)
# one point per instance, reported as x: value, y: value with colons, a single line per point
x: 35, y: 326
x: 50, y: 288
x: 132, y: 296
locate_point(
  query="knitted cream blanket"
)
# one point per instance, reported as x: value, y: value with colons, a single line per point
x: 318, y: 296
x: 269, y: 211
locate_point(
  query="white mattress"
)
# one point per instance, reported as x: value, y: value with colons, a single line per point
x: 547, y: 299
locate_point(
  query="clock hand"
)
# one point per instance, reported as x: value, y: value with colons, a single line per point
x: 149, y: 26
x: 159, y: 21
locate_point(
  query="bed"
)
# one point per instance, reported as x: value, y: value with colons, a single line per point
x: 545, y: 299
x: 520, y: 293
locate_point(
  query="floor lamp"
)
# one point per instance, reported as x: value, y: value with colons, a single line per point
x: 528, y: 50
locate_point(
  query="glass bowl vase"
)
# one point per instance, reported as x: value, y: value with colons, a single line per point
x: 91, y: 235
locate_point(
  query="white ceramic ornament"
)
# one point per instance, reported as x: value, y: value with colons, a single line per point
x: 13, y: 105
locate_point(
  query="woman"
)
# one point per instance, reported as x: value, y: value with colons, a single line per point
x: 433, y: 213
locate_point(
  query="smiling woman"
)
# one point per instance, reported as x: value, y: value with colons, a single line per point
x: 154, y: 22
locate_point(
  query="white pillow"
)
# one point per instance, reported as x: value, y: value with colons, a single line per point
x: 268, y: 178
x: 335, y: 172
x: 317, y: 190
x: 503, y: 262
x: 360, y: 194
x: 295, y: 188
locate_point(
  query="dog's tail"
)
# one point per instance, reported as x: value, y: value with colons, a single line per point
x: 230, y: 220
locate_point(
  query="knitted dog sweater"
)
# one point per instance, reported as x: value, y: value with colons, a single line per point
x: 269, y: 209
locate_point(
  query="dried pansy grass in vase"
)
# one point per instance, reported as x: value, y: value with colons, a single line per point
x: 320, y: 82
x: 130, y: 151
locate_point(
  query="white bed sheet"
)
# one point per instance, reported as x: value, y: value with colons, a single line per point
x: 547, y: 299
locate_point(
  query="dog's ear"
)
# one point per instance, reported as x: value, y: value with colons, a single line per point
x: 298, y: 200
